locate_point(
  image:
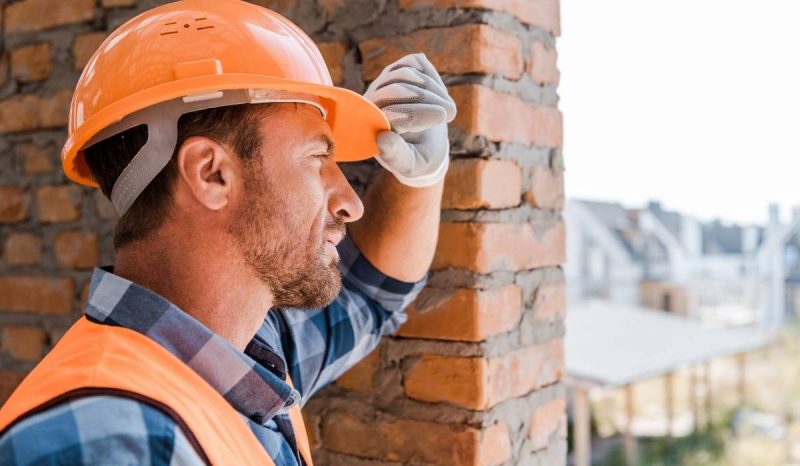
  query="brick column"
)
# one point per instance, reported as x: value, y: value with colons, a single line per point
x: 474, y: 377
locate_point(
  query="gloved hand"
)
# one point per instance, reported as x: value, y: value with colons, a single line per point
x: 415, y: 101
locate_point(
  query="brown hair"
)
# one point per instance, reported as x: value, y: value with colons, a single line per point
x: 236, y: 125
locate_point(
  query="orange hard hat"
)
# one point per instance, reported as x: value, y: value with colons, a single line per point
x: 195, y: 50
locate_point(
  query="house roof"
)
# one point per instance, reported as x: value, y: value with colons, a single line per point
x: 610, y: 344
x: 671, y: 220
x: 619, y: 221
x: 623, y: 224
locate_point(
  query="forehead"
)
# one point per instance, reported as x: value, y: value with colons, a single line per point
x: 294, y: 124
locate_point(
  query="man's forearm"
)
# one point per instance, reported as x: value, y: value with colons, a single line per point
x: 400, y: 226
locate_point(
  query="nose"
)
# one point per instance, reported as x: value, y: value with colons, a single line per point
x: 343, y: 202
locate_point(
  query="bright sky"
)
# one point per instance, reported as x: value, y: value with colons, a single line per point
x: 692, y: 102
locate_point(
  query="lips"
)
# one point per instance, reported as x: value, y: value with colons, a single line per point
x: 335, y: 239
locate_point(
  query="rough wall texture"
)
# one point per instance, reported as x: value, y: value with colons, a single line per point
x: 475, y: 376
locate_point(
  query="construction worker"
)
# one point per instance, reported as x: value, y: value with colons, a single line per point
x: 215, y: 130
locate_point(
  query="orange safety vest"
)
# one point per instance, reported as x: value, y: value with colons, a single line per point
x: 98, y: 359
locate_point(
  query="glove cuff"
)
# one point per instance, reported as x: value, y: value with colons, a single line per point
x: 422, y: 181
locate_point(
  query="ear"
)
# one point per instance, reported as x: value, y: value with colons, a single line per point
x: 207, y: 169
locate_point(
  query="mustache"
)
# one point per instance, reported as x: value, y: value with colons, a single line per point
x: 334, y: 225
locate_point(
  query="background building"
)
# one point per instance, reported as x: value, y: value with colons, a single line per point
x: 727, y: 273
x: 476, y: 375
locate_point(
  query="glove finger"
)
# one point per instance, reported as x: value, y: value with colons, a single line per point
x: 396, y: 154
x: 420, y: 62
x: 412, y: 76
x: 405, y: 74
x: 408, y: 93
x: 406, y: 61
x: 413, y: 117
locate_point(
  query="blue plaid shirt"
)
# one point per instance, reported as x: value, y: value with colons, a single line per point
x: 314, y: 346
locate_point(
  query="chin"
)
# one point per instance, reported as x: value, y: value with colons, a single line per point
x: 314, y: 290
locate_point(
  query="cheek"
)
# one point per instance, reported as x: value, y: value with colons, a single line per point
x: 308, y: 208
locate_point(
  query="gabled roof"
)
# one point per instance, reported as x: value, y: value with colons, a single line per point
x: 620, y: 223
x: 671, y: 220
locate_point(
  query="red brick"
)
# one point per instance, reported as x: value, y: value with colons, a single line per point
x: 36, y: 15
x: 19, y: 113
x: 547, y: 188
x: 471, y: 48
x: 28, y: 112
x: 54, y: 109
x: 36, y: 158
x: 333, y: 53
x: 550, y: 302
x: 84, y: 46
x: 495, y: 445
x: 482, y: 184
x: 541, y: 13
x: 76, y: 249
x: 9, y: 381
x: 23, y: 249
x: 522, y: 371
x: 13, y: 204
x: 484, y: 112
x: 361, y: 377
x: 31, y: 62
x: 59, y: 203
x: 547, y: 420
x: 489, y: 247
x: 543, y: 67
x: 455, y: 380
x: 37, y: 294
x: 402, y: 441
x: 23, y: 342
x: 463, y: 314
x: 479, y: 383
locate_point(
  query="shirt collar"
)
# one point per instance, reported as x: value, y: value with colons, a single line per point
x: 249, y: 387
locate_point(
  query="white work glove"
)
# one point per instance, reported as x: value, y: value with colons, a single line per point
x: 415, y: 101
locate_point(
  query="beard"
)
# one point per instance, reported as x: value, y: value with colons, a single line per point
x: 297, y: 273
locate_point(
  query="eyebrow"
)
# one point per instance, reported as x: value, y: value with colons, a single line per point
x: 322, y: 139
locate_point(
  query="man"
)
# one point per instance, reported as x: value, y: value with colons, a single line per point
x: 214, y: 129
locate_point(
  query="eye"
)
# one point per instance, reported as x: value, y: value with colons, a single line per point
x: 322, y: 155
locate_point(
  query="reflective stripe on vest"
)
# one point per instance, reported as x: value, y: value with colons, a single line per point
x: 94, y: 358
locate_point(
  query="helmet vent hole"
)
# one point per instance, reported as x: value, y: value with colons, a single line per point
x: 172, y: 23
x: 204, y: 25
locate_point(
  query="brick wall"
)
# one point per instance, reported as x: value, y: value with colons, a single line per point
x: 475, y: 375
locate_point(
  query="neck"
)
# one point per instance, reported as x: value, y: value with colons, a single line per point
x: 205, y: 277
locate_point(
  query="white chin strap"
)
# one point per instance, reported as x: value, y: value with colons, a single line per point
x: 162, y: 133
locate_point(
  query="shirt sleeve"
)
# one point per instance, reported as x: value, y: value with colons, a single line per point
x: 321, y: 344
x: 97, y: 430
